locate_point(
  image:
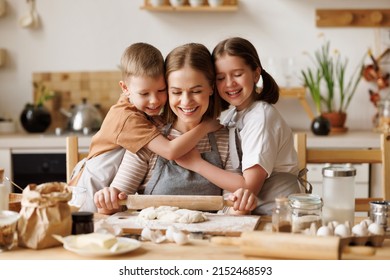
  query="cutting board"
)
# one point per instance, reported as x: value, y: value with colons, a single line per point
x: 217, y: 224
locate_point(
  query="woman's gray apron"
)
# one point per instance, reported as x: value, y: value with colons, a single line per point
x: 169, y: 178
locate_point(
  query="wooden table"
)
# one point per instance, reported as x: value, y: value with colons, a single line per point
x: 196, y: 250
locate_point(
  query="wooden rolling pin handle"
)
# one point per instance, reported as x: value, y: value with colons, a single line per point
x: 221, y: 240
x: 228, y: 203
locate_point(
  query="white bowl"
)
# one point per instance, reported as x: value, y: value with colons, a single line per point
x: 215, y: 3
x: 7, y: 127
x: 157, y: 3
x: 176, y: 3
x: 196, y: 3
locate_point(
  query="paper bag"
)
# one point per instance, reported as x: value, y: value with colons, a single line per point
x: 45, y: 211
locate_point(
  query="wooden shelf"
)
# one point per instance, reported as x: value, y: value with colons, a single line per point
x: 227, y: 6
x: 300, y: 94
x: 353, y: 18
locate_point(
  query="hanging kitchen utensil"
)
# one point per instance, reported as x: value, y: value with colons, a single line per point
x: 30, y: 19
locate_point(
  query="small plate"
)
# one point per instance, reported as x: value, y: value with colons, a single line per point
x: 124, y: 244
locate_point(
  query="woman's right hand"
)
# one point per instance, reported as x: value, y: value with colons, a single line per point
x: 107, y: 200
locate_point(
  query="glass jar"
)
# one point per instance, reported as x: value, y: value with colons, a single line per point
x: 305, y: 210
x: 82, y: 222
x: 281, y: 215
x: 383, y: 122
x: 338, y: 193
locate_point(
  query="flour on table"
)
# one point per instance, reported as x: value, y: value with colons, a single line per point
x: 172, y: 215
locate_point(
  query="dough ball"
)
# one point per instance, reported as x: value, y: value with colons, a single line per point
x: 148, y: 213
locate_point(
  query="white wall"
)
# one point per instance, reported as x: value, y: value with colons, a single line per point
x: 87, y: 35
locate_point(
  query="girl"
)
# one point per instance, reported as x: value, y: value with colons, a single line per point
x: 261, y: 143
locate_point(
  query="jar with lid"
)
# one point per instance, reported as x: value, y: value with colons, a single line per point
x: 338, y: 193
x: 305, y: 210
x: 281, y: 215
x: 383, y: 123
x: 82, y: 222
x: 4, y: 192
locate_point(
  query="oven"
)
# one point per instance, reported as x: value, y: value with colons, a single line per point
x: 37, y: 168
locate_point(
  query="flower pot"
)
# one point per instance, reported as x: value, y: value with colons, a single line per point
x: 337, y: 121
x: 320, y: 126
x: 35, y: 119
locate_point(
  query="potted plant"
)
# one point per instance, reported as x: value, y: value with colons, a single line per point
x: 35, y: 117
x: 329, y: 87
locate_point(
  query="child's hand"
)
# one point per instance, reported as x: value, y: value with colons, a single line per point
x: 212, y: 125
x: 108, y: 198
x: 244, y: 200
x: 189, y: 160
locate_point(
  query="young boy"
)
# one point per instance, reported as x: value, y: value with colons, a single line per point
x: 132, y: 123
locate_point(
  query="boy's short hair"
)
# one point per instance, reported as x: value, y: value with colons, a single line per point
x: 141, y: 59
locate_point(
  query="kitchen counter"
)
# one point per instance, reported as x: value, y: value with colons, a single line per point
x: 40, y: 141
x: 352, y: 139
x: 35, y: 143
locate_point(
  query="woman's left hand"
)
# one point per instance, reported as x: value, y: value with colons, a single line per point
x: 244, y: 200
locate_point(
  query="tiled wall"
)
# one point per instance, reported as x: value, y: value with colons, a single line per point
x: 71, y: 87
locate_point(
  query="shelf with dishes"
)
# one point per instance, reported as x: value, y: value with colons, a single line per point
x: 190, y: 5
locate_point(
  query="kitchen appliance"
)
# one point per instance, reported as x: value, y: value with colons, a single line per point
x: 83, y: 118
x: 30, y: 168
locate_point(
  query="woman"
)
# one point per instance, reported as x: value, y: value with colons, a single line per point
x: 190, y: 75
x: 264, y: 142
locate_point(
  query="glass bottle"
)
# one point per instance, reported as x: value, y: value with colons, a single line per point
x: 338, y: 193
x: 305, y: 210
x: 281, y: 215
x: 4, y: 192
x: 82, y: 222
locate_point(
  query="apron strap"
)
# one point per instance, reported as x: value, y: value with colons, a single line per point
x: 303, y: 182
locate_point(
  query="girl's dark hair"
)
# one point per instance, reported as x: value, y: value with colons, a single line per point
x: 198, y: 57
x: 240, y: 47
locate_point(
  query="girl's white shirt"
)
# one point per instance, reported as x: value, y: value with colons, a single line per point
x: 266, y: 139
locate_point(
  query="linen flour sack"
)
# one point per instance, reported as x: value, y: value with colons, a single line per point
x: 45, y: 211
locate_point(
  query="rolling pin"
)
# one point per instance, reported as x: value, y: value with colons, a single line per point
x: 292, y: 246
x: 191, y: 202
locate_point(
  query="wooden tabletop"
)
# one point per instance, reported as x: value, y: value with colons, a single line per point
x: 197, y: 249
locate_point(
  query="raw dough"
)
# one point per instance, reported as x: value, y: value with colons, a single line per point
x: 172, y: 215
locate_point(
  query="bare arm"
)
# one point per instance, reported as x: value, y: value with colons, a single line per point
x: 252, y: 179
x: 175, y: 148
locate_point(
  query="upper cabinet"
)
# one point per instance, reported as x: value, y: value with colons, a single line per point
x: 191, y: 5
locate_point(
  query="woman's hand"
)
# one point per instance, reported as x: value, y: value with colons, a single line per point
x: 244, y: 200
x: 107, y: 200
x: 189, y: 160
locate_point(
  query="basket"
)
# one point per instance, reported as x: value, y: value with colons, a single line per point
x: 15, y: 202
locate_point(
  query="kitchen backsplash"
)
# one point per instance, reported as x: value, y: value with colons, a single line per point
x: 100, y: 88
